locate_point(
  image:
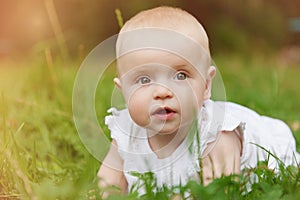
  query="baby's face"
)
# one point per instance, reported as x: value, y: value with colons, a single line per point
x: 162, y: 90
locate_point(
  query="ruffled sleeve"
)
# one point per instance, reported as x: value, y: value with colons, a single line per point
x: 125, y: 132
x: 119, y: 123
x: 213, y: 118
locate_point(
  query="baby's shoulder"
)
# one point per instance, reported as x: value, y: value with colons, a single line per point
x: 121, y: 125
x: 223, y: 113
x: 231, y: 111
x: 117, y: 119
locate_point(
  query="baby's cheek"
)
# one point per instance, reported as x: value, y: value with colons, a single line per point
x: 187, y: 99
x: 189, y: 106
x: 138, y: 110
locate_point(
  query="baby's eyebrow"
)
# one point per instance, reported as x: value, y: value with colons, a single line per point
x: 132, y: 74
x: 185, y: 66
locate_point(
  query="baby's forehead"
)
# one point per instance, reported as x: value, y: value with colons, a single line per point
x: 162, y: 38
x: 160, y: 57
x: 153, y: 61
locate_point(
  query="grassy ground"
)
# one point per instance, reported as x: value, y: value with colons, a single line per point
x: 42, y: 156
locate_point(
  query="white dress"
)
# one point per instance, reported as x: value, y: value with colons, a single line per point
x: 183, y: 164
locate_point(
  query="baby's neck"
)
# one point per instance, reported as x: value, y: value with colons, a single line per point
x: 164, y: 145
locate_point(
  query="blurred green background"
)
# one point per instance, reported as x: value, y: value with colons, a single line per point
x: 27, y: 27
x: 255, y: 44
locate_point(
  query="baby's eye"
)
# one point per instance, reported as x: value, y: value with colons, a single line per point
x: 180, y: 76
x: 143, y: 80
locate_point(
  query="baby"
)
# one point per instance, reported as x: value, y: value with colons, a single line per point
x: 171, y: 127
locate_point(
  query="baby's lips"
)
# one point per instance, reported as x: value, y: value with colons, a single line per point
x: 163, y: 110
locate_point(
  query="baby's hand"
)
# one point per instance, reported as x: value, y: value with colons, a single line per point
x: 176, y: 197
x: 222, y: 158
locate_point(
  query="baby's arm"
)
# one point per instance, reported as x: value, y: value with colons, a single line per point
x: 221, y: 157
x: 110, y: 172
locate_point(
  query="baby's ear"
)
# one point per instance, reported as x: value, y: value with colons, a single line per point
x: 211, y: 72
x: 117, y: 82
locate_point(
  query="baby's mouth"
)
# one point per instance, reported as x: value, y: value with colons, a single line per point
x: 164, y: 113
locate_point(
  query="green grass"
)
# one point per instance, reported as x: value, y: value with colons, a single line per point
x: 42, y: 156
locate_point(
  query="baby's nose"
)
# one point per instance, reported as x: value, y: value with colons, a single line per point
x: 162, y: 92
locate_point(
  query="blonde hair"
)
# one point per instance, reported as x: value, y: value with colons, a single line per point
x: 171, y: 18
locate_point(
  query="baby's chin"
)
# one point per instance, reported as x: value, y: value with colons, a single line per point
x: 161, y: 130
